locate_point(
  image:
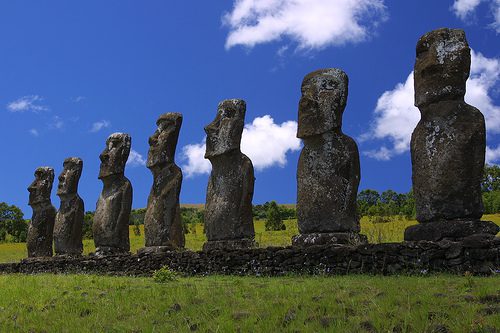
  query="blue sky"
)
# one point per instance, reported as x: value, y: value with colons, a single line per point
x: 71, y: 73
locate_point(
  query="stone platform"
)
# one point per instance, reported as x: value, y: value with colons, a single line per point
x: 333, y: 238
x: 475, y: 255
x: 453, y: 230
x: 232, y: 244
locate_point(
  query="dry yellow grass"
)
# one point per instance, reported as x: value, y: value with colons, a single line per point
x: 376, y: 232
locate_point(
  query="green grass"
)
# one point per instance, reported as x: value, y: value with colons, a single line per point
x: 376, y: 232
x: 89, y: 303
x: 86, y: 303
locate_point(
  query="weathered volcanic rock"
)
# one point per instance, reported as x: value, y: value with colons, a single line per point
x: 454, y: 230
x: 69, y: 218
x: 228, y: 210
x: 111, y: 219
x: 162, y: 222
x: 328, y: 171
x: 346, y: 238
x: 448, y: 144
x: 40, y: 229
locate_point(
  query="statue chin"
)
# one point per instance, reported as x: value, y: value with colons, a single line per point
x: 64, y: 191
x: 154, y: 163
x: 104, y: 173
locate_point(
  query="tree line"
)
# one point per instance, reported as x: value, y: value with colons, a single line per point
x: 378, y: 207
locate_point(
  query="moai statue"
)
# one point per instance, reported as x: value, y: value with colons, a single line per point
x: 162, y: 223
x: 69, y: 218
x: 228, y: 208
x: 448, y: 144
x: 328, y: 171
x: 40, y: 230
x: 111, y: 219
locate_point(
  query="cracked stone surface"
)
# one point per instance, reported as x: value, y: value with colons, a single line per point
x: 448, y: 145
x: 69, y: 219
x: 40, y: 229
x: 111, y: 219
x: 162, y: 222
x: 228, y: 208
x: 328, y: 171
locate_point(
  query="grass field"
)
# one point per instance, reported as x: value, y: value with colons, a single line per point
x: 90, y: 303
x: 376, y: 232
x: 86, y: 303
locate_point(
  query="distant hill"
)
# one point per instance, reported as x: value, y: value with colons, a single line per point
x: 197, y: 206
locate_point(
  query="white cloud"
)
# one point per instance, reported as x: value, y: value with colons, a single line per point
x: 57, y: 123
x: 78, y: 99
x: 311, y: 23
x: 135, y: 159
x: 395, y: 119
x: 396, y: 116
x: 34, y: 132
x: 483, y: 81
x: 99, y: 125
x: 27, y: 103
x: 267, y: 143
x: 496, y: 15
x: 492, y: 154
x: 263, y: 141
x: 381, y: 154
x: 465, y: 8
x: 195, y: 161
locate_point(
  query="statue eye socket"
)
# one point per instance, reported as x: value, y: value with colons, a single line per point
x: 422, y: 49
x: 328, y: 85
x: 228, y: 113
x: 114, y: 144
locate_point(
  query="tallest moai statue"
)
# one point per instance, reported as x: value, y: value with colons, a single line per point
x: 448, y: 144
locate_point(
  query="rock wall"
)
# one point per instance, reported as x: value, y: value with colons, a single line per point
x: 475, y: 255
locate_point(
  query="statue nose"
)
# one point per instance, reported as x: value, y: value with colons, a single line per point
x: 104, y: 157
x: 209, y: 129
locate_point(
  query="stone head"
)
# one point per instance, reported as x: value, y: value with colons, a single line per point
x: 115, y: 155
x: 70, y: 176
x: 42, y: 186
x: 442, y: 66
x: 224, y: 133
x: 324, y: 97
x: 163, y: 142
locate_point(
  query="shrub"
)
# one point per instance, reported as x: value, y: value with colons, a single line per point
x: 137, y: 229
x: 137, y: 216
x: 13, y: 227
x: 164, y: 274
x: 190, y: 217
x: 274, y: 221
x: 88, y: 220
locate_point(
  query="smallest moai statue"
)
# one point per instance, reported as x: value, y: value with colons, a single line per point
x: 328, y: 171
x: 162, y: 222
x: 40, y: 229
x: 69, y: 218
x: 448, y: 144
x: 228, y: 208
